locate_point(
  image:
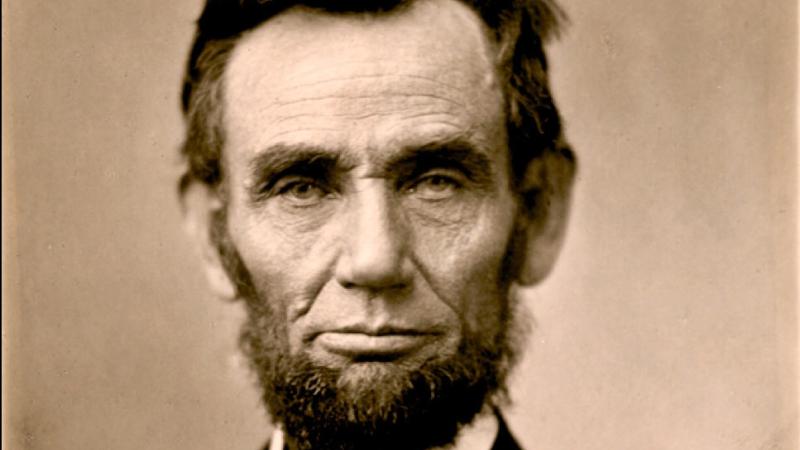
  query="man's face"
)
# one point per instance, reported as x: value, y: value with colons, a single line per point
x: 367, y: 186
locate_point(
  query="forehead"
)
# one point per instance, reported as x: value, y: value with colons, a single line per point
x: 367, y: 83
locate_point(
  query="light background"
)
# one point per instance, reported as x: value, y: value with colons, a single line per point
x: 669, y: 323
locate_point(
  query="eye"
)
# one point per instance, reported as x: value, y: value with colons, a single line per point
x: 436, y: 186
x: 301, y: 192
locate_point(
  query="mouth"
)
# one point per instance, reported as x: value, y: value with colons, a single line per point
x: 358, y: 343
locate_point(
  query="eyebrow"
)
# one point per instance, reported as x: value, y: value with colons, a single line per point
x: 279, y: 159
x: 456, y: 153
x: 282, y: 158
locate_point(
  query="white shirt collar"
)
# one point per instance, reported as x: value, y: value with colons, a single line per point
x: 276, y: 442
x: 478, y: 435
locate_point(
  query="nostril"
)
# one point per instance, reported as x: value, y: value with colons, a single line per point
x: 347, y: 284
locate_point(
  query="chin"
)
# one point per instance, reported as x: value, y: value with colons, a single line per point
x: 357, y: 380
x: 379, y: 379
x: 415, y: 401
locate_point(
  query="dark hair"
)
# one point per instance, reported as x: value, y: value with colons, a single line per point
x: 519, y: 28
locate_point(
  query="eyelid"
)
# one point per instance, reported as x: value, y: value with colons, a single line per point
x: 456, y: 174
x: 285, y: 183
x: 279, y: 184
x: 310, y: 172
x: 315, y: 167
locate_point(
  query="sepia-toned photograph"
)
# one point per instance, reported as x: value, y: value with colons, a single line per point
x: 400, y: 225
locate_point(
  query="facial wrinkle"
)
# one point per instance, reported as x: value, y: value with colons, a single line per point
x: 393, y: 111
x: 384, y: 95
x: 353, y: 77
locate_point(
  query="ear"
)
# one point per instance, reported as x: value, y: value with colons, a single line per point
x: 200, y: 203
x: 545, y: 191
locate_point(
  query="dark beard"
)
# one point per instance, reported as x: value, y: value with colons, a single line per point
x: 399, y: 407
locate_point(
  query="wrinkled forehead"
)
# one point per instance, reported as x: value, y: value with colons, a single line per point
x: 446, y: 30
x: 427, y: 64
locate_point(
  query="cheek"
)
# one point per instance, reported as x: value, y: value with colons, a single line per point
x: 287, y: 267
x: 463, y: 261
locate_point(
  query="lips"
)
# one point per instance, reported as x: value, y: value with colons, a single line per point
x: 360, y: 343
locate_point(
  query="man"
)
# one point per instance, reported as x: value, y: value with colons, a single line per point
x: 372, y: 178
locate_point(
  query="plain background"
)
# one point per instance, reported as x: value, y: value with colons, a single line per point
x: 669, y: 322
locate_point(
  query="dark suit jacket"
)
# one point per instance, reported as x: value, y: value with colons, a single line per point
x: 504, y: 440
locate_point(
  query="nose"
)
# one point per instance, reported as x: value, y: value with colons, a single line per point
x: 374, y: 242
